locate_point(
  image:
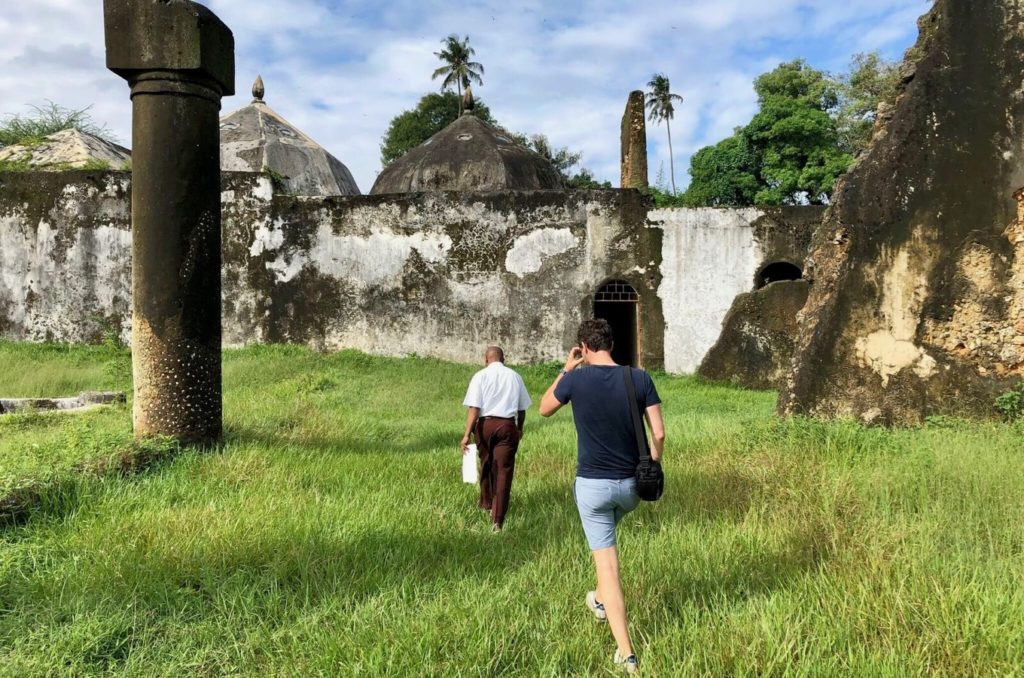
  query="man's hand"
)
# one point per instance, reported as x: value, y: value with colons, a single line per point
x: 472, y: 415
x: 575, y: 359
x: 549, y: 404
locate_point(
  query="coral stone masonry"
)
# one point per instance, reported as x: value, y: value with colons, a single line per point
x: 917, y: 287
x: 437, y: 274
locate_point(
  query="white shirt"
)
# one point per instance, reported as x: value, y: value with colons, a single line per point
x: 497, y: 391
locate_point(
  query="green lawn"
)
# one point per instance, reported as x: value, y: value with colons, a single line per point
x: 331, y: 535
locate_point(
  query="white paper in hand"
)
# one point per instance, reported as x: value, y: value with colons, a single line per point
x: 469, y: 466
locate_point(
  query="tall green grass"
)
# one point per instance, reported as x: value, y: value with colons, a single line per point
x: 330, y: 535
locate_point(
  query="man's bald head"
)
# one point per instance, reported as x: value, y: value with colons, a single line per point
x: 494, y: 354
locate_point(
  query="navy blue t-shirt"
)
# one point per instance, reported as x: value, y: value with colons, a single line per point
x: 606, y: 444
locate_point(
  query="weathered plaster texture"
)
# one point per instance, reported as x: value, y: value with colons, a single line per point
x: 712, y: 255
x: 755, y: 348
x: 438, y: 274
x: 633, y: 133
x: 917, y: 298
x: 65, y: 252
x: 67, y: 149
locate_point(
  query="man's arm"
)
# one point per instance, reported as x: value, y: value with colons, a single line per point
x: 657, y: 426
x: 549, y: 404
x: 472, y: 414
x: 524, y: 404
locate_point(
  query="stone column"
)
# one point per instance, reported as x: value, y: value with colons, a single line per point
x: 178, y: 58
x: 634, y: 143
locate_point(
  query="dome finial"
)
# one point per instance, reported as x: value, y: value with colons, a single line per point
x: 258, y: 90
x: 468, y: 103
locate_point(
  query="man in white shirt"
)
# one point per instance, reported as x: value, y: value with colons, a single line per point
x: 497, y: 402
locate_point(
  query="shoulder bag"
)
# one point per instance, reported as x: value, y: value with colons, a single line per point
x: 650, y: 479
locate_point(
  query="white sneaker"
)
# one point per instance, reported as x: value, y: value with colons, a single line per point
x: 630, y: 663
x: 596, y: 607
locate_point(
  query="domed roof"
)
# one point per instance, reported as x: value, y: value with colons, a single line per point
x: 256, y: 137
x: 468, y: 155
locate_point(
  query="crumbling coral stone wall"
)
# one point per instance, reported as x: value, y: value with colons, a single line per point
x: 916, y: 301
x: 709, y: 257
x: 633, y: 157
x: 438, y: 274
x: 755, y: 348
x: 65, y: 246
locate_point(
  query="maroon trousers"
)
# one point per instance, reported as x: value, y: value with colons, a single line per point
x: 497, y: 441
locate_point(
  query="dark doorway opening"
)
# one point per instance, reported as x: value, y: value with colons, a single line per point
x: 776, y: 271
x: 616, y: 301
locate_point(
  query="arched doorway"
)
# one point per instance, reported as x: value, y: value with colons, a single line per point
x: 776, y: 271
x: 616, y: 301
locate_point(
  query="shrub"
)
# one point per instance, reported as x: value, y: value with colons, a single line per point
x: 31, y: 129
x: 1011, y: 403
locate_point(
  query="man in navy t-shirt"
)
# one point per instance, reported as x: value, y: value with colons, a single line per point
x: 605, y: 486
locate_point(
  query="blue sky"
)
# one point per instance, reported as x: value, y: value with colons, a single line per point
x: 341, y: 70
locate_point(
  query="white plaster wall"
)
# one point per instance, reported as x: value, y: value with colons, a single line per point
x: 61, y: 279
x: 331, y: 273
x: 366, y: 251
x: 709, y: 256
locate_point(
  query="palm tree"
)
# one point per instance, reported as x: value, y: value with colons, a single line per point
x: 661, y: 102
x: 458, y: 68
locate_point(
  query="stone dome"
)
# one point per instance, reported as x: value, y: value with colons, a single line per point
x: 256, y: 137
x: 468, y: 155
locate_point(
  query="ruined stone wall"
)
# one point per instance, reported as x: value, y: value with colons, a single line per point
x: 633, y: 133
x: 65, y: 243
x: 710, y: 256
x: 917, y: 299
x: 437, y: 274
x: 755, y: 347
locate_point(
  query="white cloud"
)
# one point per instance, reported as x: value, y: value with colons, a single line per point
x: 342, y: 70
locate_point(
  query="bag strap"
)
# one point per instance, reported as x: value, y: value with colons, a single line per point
x: 634, y: 409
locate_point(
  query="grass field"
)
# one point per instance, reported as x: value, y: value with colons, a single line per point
x: 330, y: 535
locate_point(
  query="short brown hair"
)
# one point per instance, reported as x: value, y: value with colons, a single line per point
x: 596, y: 334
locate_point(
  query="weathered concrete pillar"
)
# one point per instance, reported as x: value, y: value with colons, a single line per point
x: 178, y: 58
x: 634, y: 143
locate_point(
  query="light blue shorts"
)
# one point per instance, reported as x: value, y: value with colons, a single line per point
x: 601, y: 504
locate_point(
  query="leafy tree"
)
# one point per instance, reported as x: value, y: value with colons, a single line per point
x: 585, y: 179
x: 662, y: 194
x: 795, y: 135
x: 46, y: 120
x: 789, y: 153
x: 457, y: 68
x: 870, y: 81
x: 562, y: 159
x: 661, y: 104
x: 725, y: 174
x: 411, y: 128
